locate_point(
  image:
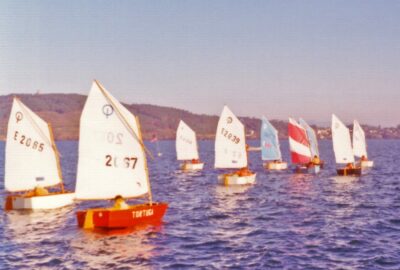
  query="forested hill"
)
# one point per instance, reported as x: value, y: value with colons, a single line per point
x: 63, y: 112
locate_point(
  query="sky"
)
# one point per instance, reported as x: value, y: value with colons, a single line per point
x: 274, y: 58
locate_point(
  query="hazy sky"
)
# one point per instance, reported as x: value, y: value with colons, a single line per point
x: 272, y: 58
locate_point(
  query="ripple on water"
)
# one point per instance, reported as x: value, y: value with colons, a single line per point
x: 284, y: 221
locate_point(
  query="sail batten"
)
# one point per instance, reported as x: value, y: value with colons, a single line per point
x: 341, y: 142
x: 111, y: 154
x: 186, y: 142
x: 359, y: 142
x: 230, y: 144
x: 270, y: 149
x: 30, y: 154
x: 298, y: 143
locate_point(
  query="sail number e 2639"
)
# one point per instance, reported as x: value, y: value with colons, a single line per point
x: 28, y: 142
x: 230, y: 136
x: 128, y: 162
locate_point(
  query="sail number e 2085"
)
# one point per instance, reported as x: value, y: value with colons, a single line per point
x: 128, y: 162
x: 230, y: 136
x: 28, y: 142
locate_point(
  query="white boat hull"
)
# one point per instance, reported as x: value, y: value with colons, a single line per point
x: 192, y: 166
x: 51, y: 201
x: 309, y: 170
x: 367, y: 164
x: 314, y: 169
x: 276, y: 166
x: 234, y: 179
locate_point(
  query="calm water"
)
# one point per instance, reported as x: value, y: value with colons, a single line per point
x: 284, y: 221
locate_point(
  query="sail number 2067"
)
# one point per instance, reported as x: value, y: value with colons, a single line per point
x: 230, y: 136
x: 28, y: 142
x: 128, y: 162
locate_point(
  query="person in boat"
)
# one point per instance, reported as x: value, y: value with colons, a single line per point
x: 244, y: 172
x: 349, y: 166
x: 316, y: 160
x: 37, y: 191
x: 364, y: 158
x: 119, y: 203
x: 195, y: 161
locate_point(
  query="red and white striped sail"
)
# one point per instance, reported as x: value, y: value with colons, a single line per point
x: 298, y: 143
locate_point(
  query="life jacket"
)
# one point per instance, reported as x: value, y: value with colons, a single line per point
x: 40, y: 191
x: 120, y: 204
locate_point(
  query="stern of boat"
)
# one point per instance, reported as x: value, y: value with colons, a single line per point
x: 276, y: 166
x: 111, y: 218
x: 50, y: 201
x: 349, y: 172
x: 234, y: 179
x: 367, y: 163
x: 192, y: 166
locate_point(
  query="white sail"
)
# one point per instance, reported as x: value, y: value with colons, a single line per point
x: 30, y: 157
x: 230, y: 145
x: 111, y: 154
x: 186, y: 143
x: 341, y: 141
x: 359, y: 143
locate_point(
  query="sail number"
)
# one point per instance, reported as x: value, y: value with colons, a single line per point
x: 186, y: 140
x: 128, y: 162
x: 230, y: 136
x: 28, y: 142
x: 115, y: 138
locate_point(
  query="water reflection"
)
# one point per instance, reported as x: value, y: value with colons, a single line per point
x: 131, y: 249
x: 228, y: 197
x: 33, y: 236
x: 341, y: 197
x: 30, y: 226
x: 284, y: 221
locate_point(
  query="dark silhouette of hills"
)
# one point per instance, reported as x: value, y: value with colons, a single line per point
x: 63, y: 111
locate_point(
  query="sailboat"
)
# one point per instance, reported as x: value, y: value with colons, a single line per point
x: 300, y: 148
x: 270, y: 149
x: 32, y: 163
x: 342, y: 148
x: 312, y: 137
x: 186, y: 148
x: 360, y: 146
x: 230, y: 150
x: 112, y: 165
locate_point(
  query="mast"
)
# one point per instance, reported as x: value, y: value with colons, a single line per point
x: 246, y: 148
x: 145, y: 162
x: 57, y: 154
x: 123, y: 119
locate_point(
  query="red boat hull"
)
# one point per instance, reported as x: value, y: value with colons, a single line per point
x: 111, y: 218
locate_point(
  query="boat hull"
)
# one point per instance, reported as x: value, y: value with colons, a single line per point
x: 111, y: 218
x: 367, y: 163
x: 308, y: 170
x: 234, y: 179
x: 276, y: 166
x: 192, y: 166
x: 349, y: 172
x: 321, y: 164
x: 50, y: 201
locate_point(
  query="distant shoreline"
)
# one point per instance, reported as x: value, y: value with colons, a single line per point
x: 63, y: 112
x: 165, y: 140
